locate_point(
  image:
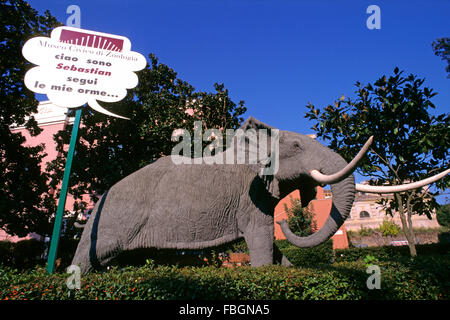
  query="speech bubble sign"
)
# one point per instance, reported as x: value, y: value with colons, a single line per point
x: 77, y: 66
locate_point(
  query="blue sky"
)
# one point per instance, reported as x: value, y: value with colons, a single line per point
x: 278, y: 55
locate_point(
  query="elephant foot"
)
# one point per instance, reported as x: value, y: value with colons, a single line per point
x: 95, y: 255
x: 82, y: 262
x: 285, y: 262
x: 279, y: 258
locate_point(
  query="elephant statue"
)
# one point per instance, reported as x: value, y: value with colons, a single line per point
x: 195, y: 206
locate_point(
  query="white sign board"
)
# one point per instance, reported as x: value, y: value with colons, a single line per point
x: 77, y: 66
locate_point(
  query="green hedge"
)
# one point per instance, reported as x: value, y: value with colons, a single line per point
x: 6, y: 253
x: 22, y: 254
x: 424, y: 278
x: 26, y: 254
x: 322, y: 254
x: 390, y: 253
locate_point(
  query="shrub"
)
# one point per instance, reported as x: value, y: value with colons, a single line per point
x: 237, y: 246
x: 443, y: 215
x: 389, y: 228
x: 370, y: 260
x: 422, y: 278
x: 283, y: 244
x: 390, y: 253
x: 28, y: 253
x: 322, y: 254
x: 22, y: 254
x: 444, y: 237
x: 363, y: 232
x: 301, y: 220
x: 6, y: 253
x: 212, y: 256
x: 66, y: 251
x: 358, y: 254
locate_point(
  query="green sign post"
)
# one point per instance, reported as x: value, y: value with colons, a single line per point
x: 56, y: 79
x: 63, y: 196
x: 73, y: 21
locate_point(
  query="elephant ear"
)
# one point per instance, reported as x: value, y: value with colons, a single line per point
x: 263, y: 146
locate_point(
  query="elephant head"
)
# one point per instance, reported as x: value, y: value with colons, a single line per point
x: 304, y: 164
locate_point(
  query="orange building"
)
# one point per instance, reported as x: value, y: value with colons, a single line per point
x: 321, y: 208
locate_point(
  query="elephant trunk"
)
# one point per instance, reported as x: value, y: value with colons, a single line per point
x: 343, y: 196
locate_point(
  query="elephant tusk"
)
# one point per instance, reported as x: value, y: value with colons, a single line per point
x: 345, y: 172
x: 402, y: 187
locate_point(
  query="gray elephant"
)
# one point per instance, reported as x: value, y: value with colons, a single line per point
x: 188, y: 206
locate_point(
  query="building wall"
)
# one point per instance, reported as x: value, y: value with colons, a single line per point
x: 321, y: 207
x: 51, y: 119
x: 367, y: 203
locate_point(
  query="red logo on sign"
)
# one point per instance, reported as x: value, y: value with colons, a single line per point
x: 91, y: 40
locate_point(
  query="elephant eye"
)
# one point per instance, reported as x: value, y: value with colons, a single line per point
x: 297, y: 145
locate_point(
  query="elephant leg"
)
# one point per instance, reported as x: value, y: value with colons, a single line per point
x: 81, y: 258
x: 96, y: 254
x: 96, y: 248
x: 105, y: 250
x: 260, y: 245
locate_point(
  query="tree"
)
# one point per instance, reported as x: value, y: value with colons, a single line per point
x: 443, y: 215
x: 441, y: 48
x: 24, y: 202
x: 111, y: 148
x: 409, y: 143
x: 301, y: 220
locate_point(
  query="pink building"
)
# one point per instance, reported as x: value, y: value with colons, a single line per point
x: 51, y: 119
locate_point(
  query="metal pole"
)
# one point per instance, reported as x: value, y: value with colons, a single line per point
x: 62, y: 197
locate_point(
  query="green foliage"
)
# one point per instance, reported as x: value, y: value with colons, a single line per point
x: 389, y: 228
x: 25, y: 205
x: 441, y: 48
x: 424, y: 278
x: 390, y: 253
x: 363, y: 231
x: 443, y: 215
x: 301, y: 220
x: 66, y: 252
x: 424, y: 230
x: 321, y: 254
x: 301, y: 223
x: 238, y: 246
x: 283, y: 244
x: 409, y: 142
x: 27, y: 254
x: 370, y: 260
x: 213, y: 256
x: 6, y: 253
x: 22, y: 255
